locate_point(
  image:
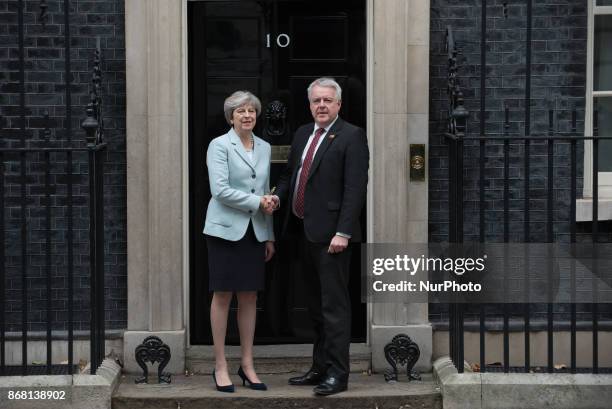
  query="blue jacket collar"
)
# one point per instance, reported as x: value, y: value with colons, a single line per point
x: 239, y: 148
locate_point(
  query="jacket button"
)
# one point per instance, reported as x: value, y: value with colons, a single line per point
x: 252, y: 190
x: 250, y: 211
x: 253, y: 176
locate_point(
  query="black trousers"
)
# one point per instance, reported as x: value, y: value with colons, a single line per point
x: 327, y: 278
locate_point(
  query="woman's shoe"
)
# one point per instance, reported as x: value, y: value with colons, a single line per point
x: 259, y: 386
x: 226, y: 388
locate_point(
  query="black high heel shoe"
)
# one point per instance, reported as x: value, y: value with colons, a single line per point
x: 259, y: 386
x: 226, y: 388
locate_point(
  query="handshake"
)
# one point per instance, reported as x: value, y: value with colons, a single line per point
x: 269, y: 203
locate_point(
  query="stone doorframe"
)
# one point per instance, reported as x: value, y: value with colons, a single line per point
x: 157, y: 167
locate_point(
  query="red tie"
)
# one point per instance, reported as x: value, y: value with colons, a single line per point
x: 299, y: 196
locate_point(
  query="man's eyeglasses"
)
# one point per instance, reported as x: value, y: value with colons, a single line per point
x: 325, y: 101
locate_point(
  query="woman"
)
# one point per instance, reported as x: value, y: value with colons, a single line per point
x: 239, y: 231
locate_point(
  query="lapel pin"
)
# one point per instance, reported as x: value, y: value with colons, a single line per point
x: 332, y: 136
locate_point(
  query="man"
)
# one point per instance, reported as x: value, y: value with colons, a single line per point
x: 324, y: 188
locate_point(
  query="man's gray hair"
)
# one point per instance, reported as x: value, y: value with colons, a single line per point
x: 238, y: 99
x: 326, y: 82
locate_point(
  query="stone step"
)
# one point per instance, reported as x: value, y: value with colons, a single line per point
x: 198, y: 392
x: 271, y: 359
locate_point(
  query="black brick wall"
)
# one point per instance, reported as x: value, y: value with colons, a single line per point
x: 558, y: 77
x: 45, y: 91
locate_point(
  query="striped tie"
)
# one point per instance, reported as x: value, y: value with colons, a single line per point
x: 299, y: 196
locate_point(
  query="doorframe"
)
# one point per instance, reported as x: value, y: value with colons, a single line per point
x: 185, y: 173
x: 369, y: 10
x: 370, y: 134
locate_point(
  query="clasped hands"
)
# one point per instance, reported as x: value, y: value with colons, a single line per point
x: 269, y: 203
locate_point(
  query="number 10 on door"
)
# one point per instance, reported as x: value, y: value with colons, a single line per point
x: 282, y: 40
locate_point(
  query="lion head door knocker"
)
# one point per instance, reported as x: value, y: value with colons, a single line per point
x: 403, y: 351
x: 153, y: 350
x: 276, y: 123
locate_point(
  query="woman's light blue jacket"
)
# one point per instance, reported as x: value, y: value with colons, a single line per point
x: 236, y: 185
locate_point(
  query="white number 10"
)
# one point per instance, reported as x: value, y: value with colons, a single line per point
x: 282, y: 40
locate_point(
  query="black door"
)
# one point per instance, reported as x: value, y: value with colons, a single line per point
x: 273, y: 49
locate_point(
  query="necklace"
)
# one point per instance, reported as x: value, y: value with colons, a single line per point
x: 251, y: 144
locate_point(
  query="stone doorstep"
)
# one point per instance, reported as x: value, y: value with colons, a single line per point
x: 271, y: 359
x: 472, y: 390
x: 190, y: 392
x: 77, y: 391
x: 272, y: 365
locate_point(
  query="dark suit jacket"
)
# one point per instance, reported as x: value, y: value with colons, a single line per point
x: 337, y: 181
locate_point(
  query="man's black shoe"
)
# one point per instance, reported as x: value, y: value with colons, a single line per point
x: 331, y: 385
x: 311, y: 377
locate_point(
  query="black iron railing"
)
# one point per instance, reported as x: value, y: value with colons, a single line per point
x: 51, y: 192
x: 551, y: 156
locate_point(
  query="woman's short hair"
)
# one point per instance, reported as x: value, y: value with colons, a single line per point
x: 326, y: 82
x: 238, y: 99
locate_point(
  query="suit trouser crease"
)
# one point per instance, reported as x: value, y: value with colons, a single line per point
x: 326, y: 277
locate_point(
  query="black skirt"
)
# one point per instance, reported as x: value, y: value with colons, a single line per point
x: 236, y: 265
